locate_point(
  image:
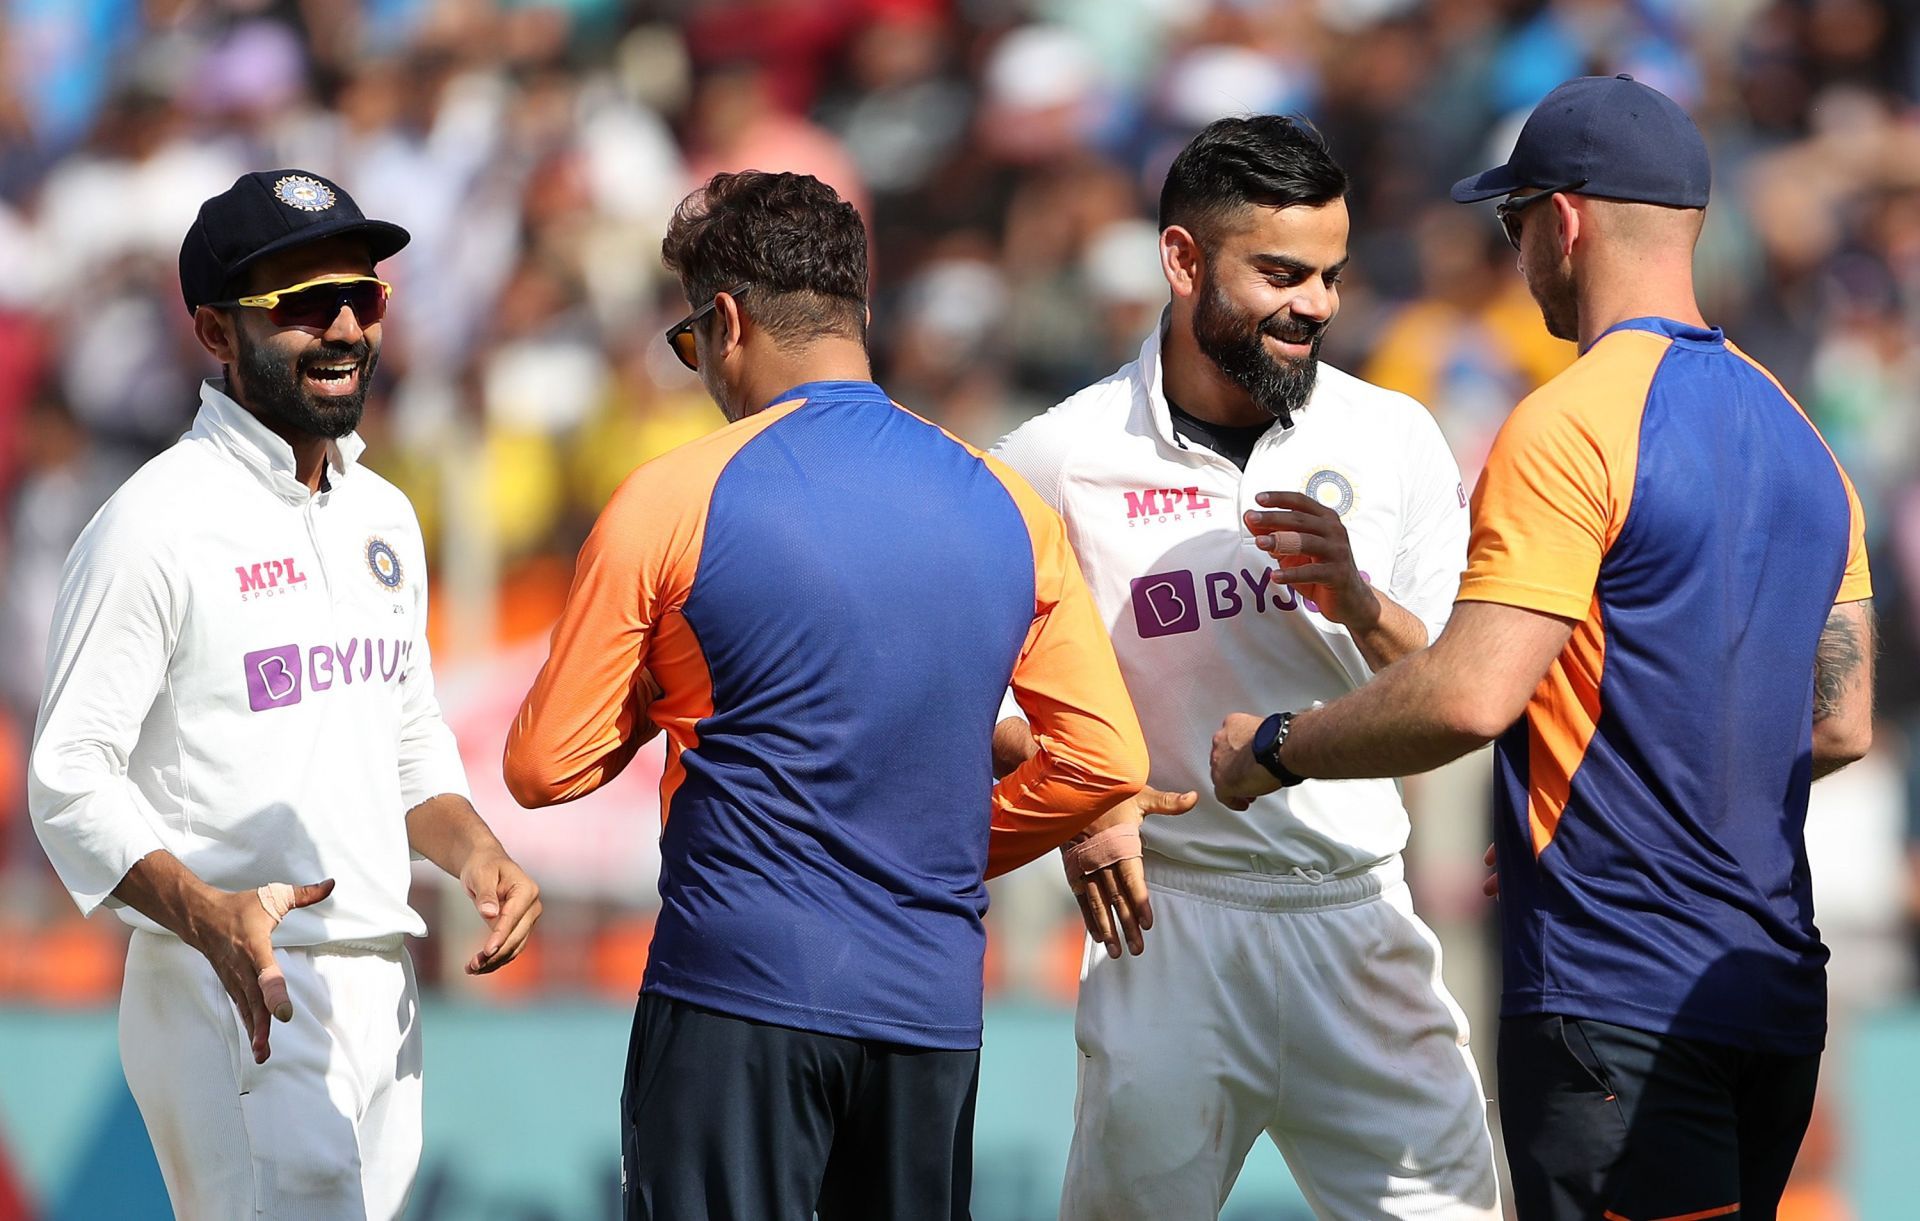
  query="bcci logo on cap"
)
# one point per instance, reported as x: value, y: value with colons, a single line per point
x: 304, y: 193
x: 383, y: 563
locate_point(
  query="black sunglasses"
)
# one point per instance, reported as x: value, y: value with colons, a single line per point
x: 1509, y: 211
x: 680, y: 334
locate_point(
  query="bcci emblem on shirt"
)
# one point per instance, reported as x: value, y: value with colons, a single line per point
x: 384, y: 564
x: 1331, y: 489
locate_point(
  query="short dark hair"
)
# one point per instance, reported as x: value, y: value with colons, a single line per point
x: 1272, y: 160
x: 791, y: 236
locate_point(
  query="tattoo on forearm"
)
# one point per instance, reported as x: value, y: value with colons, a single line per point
x: 1836, y: 659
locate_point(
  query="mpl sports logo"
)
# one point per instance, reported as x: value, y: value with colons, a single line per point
x: 287, y: 673
x: 268, y: 579
x: 1150, y: 505
x: 1169, y: 603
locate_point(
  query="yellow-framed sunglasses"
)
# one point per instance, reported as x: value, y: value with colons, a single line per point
x: 316, y: 303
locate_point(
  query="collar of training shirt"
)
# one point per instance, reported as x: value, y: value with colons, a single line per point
x: 242, y: 434
x: 829, y: 391
x: 1160, y: 415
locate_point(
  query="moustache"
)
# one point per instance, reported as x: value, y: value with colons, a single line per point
x: 1302, y: 333
x: 334, y: 353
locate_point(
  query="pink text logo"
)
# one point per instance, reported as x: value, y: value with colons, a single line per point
x: 268, y: 578
x: 1167, y: 504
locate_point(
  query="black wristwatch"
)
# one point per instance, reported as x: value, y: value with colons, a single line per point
x: 1267, y: 741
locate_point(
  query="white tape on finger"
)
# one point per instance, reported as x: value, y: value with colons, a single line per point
x: 277, y: 898
x: 1097, y: 851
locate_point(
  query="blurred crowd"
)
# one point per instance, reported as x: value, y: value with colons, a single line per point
x: 1007, y: 155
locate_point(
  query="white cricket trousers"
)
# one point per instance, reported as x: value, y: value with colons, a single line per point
x: 1310, y: 1010
x: 328, y: 1127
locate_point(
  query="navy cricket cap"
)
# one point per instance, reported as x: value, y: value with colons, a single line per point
x: 1606, y: 136
x: 266, y: 212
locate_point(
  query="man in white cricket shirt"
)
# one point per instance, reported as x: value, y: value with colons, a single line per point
x: 239, y: 748
x: 1290, y: 989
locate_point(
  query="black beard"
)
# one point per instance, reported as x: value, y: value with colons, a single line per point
x: 275, y: 394
x: 1279, y: 387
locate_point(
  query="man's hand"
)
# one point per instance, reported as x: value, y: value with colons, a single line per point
x: 1013, y: 745
x: 447, y: 831
x: 1309, y: 543
x: 1113, y: 896
x: 1238, y: 777
x: 646, y: 689
x: 507, y: 899
x: 1491, y: 887
x: 234, y: 930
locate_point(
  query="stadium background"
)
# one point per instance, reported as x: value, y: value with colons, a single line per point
x: 1007, y: 156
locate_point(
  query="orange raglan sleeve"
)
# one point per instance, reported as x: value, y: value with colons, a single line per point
x: 1856, y: 585
x: 1091, y: 754
x: 1545, y: 511
x: 584, y: 718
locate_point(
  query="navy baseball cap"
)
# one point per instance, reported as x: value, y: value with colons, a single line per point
x: 1606, y: 136
x: 266, y: 212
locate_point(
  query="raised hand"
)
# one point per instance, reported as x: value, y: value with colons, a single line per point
x: 1309, y: 545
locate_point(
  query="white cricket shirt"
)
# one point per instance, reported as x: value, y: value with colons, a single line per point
x: 238, y: 673
x: 1199, y: 629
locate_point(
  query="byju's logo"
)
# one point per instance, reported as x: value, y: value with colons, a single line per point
x: 273, y: 677
x: 1164, y: 604
x: 276, y: 676
x: 1168, y: 603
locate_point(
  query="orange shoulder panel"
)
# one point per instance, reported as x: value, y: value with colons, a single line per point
x: 1554, y: 493
x: 1092, y: 754
x: 588, y: 712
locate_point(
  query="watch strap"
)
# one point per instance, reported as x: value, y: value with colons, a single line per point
x: 1273, y: 735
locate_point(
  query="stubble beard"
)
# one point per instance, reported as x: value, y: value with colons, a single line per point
x: 1559, y: 306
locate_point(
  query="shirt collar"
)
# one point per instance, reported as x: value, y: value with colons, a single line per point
x: 824, y: 390
x: 1152, y: 379
x: 243, y: 435
x: 1153, y: 382
x: 1678, y: 332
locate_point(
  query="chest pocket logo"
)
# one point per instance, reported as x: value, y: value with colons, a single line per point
x: 384, y: 564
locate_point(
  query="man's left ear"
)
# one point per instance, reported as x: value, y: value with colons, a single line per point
x: 1569, y: 218
x: 732, y: 325
x: 215, y: 331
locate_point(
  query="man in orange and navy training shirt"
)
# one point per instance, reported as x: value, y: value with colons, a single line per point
x: 1665, y: 621
x: 822, y: 604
